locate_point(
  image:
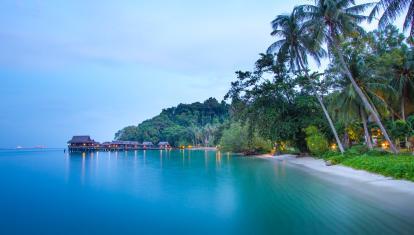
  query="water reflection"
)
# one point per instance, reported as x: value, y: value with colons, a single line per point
x: 237, y: 195
x: 218, y: 159
x: 160, y: 158
x: 205, y: 159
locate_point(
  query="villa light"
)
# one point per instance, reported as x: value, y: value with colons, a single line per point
x: 385, y: 145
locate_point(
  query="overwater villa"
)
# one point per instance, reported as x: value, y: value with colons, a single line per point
x: 85, y: 143
x: 147, y: 145
x: 164, y: 145
x: 125, y: 145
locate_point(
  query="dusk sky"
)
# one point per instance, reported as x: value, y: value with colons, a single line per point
x: 93, y: 67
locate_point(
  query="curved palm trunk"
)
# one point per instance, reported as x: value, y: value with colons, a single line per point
x: 363, y: 97
x: 364, y: 123
x: 338, y: 141
x: 403, y: 103
x: 325, y: 111
x: 403, y: 110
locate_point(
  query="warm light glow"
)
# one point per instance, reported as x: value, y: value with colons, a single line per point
x: 385, y: 145
x: 334, y: 146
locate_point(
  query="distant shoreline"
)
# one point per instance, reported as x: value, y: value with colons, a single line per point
x: 203, y: 148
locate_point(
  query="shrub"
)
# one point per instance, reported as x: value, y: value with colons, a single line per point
x: 316, y: 141
x: 329, y: 154
x: 261, y: 145
x: 376, y: 152
x: 410, y: 122
x: 336, y: 159
x: 234, y: 139
x: 356, y: 150
x: 400, y: 129
x: 397, y: 166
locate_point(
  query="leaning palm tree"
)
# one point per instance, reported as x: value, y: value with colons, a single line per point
x: 296, y: 44
x: 348, y: 108
x: 346, y: 103
x: 391, y: 10
x: 330, y: 21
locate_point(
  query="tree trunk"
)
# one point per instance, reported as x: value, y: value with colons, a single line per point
x: 346, y: 140
x: 366, y: 131
x: 325, y: 111
x: 338, y: 141
x: 403, y: 107
x: 404, y: 93
x: 364, y: 98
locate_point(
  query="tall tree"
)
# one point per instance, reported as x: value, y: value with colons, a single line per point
x: 330, y: 21
x: 295, y: 43
x: 403, y: 79
x: 391, y: 10
x: 348, y: 109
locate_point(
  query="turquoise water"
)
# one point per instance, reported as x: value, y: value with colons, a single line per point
x: 185, y: 192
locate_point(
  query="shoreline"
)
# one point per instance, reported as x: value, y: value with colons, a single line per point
x: 361, y: 176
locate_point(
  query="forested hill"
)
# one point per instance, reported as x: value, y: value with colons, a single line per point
x: 187, y: 124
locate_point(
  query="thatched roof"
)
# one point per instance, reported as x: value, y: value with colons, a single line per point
x: 81, y: 139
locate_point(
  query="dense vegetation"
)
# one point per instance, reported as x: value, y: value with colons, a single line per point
x: 365, y: 96
x: 187, y: 124
x: 236, y: 139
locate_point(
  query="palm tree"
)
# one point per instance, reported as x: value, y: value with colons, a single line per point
x: 392, y: 9
x: 403, y: 81
x: 295, y: 44
x: 330, y: 21
x: 347, y: 105
x: 348, y: 108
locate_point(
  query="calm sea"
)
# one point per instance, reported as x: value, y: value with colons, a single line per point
x: 186, y: 192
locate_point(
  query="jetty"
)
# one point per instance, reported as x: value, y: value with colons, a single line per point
x: 84, y: 143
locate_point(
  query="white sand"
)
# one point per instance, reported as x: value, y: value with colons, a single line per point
x: 361, y: 176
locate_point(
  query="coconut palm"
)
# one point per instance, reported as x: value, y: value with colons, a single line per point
x: 391, y: 10
x: 347, y: 105
x: 296, y: 44
x: 332, y: 20
x: 348, y: 108
x: 403, y: 80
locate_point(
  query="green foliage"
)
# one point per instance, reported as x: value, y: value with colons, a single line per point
x: 237, y: 139
x: 399, y: 166
x: 330, y: 153
x: 400, y: 129
x: 275, y: 109
x: 356, y: 150
x: 316, y: 141
x: 261, y: 145
x: 337, y: 159
x: 410, y: 121
x: 186, y: 124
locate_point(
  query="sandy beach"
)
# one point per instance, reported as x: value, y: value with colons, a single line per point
x: 361, y: 176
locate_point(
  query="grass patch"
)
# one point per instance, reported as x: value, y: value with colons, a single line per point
x: 399, y: 166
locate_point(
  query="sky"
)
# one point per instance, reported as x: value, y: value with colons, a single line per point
x: 93, y: 67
